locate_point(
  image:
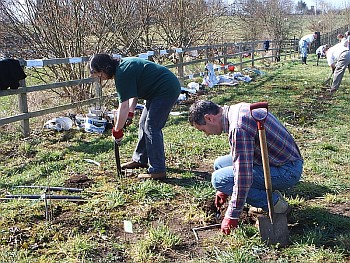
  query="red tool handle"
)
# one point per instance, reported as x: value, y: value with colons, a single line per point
x: 259, y: 105
x: 259, y: 119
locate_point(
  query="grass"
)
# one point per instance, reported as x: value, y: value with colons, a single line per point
x: 164, y: 212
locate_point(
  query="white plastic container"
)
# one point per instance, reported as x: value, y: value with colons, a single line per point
x: 95, y: 125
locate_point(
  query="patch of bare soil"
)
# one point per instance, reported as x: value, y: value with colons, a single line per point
x: 342, y: 209
x: 173, y: 217
x: 78, y: 181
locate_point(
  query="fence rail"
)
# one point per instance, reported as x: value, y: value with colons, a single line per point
x: 331, y: 37
x: 230, y: 53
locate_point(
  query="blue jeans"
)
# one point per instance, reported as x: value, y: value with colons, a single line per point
x: 150, y: 145
x: 303, y: 48
x: 282, y: 177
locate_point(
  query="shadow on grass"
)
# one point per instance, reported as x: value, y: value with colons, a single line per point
x: 9, y: 185
x: 92, y: 147
x: 320, y: 227
x: 98, y: 145
x: 308, y: 190
x: 188, y: 182
x: 178, y: 120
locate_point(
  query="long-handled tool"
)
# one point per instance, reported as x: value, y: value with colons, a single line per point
x: 328, y: 81
x: 116, y: 151
x: 274, y: 229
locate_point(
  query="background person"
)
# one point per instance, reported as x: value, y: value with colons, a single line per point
x: 138, y: 78
x: 340, y: 37
x: 304, y: 45
x: 240, y: 174
x: 321, y: 52
x: 346, y: 39
x: 338, y: 58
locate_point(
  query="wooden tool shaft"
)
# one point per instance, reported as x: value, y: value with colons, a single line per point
x: 267, y: 175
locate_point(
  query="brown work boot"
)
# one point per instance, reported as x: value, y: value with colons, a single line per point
x: 255, y: 210
x: 152, y: 176
x: 133, y: 165
x: 281, y: 207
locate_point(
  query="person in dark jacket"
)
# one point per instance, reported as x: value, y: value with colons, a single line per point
x: 135, y: 79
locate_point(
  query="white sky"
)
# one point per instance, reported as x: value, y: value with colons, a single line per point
x: 333, y: 3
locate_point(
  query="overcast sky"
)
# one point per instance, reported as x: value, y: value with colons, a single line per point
x: 333, y: 3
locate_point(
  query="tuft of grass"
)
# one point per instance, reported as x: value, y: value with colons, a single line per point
x: 149, y: 191
x: 153, y: 246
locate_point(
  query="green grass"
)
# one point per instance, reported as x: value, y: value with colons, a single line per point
x: 163, y: 213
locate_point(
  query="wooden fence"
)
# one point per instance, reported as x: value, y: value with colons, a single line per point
x: 237, y: 54
x: 330, y: 38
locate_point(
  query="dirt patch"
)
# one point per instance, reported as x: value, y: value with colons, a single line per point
x: 342, y: 209
x: 78, y: 181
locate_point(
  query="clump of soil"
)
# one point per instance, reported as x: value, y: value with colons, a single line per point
x: 78, y: 181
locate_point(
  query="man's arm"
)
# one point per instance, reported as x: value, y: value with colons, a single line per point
x: 122, y: 115
x: 242, y: 158
x: 132, y: 104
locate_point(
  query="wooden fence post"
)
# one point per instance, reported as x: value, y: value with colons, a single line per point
x: 98, y: 93
x: 262, y: 54
x: 253, y: 50
x: 225, y: 58
x: 180, y: 68
x: 240, y: 57
x: 206, y: 55
x: 23, y: 108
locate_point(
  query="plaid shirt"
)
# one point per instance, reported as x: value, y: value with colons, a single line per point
x: 245, y: 149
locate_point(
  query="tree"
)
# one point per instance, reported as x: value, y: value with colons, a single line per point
x: 265, y: 18
x: 301, y: 7
x: 52, y: 29
x: 74, y: 28
x: 182, y: 23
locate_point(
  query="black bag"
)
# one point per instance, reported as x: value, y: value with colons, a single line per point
x: 11, y: 73
x: 266, y: 45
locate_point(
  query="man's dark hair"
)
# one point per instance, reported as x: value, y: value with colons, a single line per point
x: 103, y: 63
x: 201, y: 108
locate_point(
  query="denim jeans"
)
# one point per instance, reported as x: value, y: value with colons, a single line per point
x: 303, y: 46
x: 282, y: 177
x: 150, y: 145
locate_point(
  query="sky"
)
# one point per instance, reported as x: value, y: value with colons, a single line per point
x: 333, y: 3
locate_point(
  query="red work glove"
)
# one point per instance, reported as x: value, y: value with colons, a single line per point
x: 220, y: 199
x: 228, y: 224
x: 129, y: 119
x: 117, y: 135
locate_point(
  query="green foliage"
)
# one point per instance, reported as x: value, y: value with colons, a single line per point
x: 150, y: 191
x: 201, y: 191
x: 158, y: 240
